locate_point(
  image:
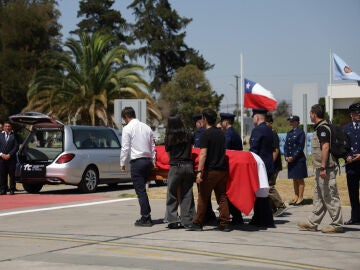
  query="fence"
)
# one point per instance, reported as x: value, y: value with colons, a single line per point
x: 282, y: 137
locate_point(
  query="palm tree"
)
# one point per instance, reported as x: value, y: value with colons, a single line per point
x: 86, y: 80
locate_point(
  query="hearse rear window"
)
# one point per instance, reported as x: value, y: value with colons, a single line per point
x: 42, y: 145
x: 95, y: 139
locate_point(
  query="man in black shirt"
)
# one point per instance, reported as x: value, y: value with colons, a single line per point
x: 212, y: 173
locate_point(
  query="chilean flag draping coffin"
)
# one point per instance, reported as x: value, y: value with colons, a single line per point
x: 257, y: 97
x: 244, y: 170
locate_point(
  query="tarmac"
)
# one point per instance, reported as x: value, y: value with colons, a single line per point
x: 99, y: 233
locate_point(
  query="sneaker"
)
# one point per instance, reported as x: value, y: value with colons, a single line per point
x: 226, y: 228
x: 144, y: 222
x: 194, y: 227
x: 279, y: 211
x: 332, y: 229
x: 307, y: 226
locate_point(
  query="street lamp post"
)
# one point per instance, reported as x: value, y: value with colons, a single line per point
x: 237, y: 98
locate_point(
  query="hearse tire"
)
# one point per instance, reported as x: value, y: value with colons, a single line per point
x: 89, y: 181
x: 32, y: 188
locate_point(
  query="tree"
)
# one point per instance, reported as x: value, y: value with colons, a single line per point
x: 282, y: 109
x: 188, y: 93
x: 28, y: 30
x: 98, y: 16
x: 92, y: 75
x: 159, y: 30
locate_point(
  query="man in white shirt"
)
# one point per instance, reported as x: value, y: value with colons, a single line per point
x: 137, y: 140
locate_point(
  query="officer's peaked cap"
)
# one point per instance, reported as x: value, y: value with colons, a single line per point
x: 197, y: 117
x: 355, y: 108
x: 259, y: 111
x: 294, y: 118
x: 230, y: 116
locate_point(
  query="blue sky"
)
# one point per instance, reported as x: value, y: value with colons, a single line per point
x: 283, y: 42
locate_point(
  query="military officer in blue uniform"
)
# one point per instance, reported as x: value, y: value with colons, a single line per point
x: 296, y: 159
x: 262, y: 143
x: 232, y: 142
x: 199, y: 129
x: 232, y: 138
x: 262, y: 140
x: 352, y: 129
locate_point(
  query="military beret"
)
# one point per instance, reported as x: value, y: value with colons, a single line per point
x: 355, y: 108
x: 230, y: 116
x: 259, y: 111
x: 294, y: 118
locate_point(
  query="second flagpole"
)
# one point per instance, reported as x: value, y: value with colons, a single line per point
x: 241, y: 98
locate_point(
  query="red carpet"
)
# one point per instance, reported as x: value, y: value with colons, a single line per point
x: 29, y: 200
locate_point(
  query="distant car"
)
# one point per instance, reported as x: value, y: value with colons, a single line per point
x: 54, y: 153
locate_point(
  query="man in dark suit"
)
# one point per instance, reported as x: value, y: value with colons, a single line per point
x: 8, y: 148
x: 352, y: 129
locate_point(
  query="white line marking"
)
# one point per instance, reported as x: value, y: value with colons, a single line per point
x: 63, y: 207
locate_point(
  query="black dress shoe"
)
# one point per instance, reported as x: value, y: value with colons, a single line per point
x: 12, y: 192
x: 194, y: 227
x: 226, y: 228
x: 175, y: 225
x: 237, y: 222
x: 299, y: 203
x: 352, y: 222
x: 3, y: 192
x: 292, y: 202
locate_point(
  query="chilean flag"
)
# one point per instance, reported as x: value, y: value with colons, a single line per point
x: 257, y: 97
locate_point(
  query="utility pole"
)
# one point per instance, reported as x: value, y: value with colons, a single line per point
x: 237, y: 97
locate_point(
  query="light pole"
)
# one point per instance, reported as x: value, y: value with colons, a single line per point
x: 237, y: 97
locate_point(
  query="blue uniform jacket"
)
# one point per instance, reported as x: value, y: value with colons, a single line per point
x: 197, y: 135
x: 261, y: 143
x: 232, y: 139
x: 294, y: 144
x: 354, y: 136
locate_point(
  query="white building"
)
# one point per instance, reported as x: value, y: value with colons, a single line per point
x: 341, y: 96
x: 304, y: 96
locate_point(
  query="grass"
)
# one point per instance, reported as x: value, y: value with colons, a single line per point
x: 284, y: 187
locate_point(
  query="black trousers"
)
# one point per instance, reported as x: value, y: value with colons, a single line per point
x: 353, y: 189
x: 7, y: 168
x: 140, y: 171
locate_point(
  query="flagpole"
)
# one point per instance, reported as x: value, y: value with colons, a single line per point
x: 241, y: 98
x: 330, y: 101
x: 330, y: 73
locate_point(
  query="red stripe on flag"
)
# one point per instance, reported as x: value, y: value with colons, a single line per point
x: 259, y: 102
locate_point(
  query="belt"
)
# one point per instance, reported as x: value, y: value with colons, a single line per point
x: 142, y: 158
x: 181, y: 164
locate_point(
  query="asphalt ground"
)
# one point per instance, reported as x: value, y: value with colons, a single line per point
x: 98, y: 232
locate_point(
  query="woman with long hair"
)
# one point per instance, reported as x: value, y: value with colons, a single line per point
x: 178, y: 145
